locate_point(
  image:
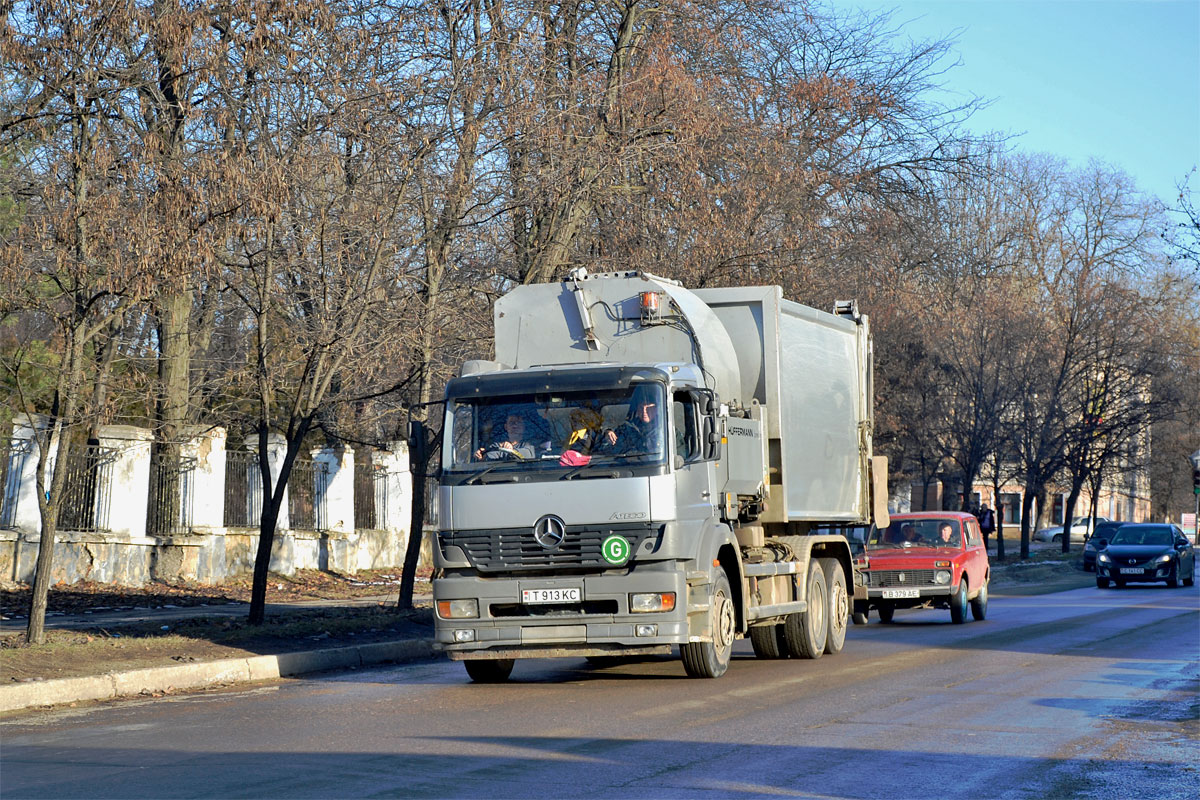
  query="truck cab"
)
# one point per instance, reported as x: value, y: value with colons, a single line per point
x: 580, y: 535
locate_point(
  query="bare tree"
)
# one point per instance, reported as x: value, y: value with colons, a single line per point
x: 81, y: 258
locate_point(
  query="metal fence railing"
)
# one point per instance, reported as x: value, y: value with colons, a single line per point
x: 87, y: 494
x: 308, y: 486
x: 370, y: 496
x: 172, y: 491
x: 243, y: 489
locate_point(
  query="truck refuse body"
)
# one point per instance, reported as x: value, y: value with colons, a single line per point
x: 645, y: 467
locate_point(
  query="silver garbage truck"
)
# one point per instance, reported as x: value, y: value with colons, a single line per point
x: 645, y: 467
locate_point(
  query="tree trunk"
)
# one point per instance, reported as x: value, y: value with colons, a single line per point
x: 999, y: 511
x: 174, y: 364
x: 419, y: 452
x: 1069, y: 513
x: 57, y: 436
x: 1026, y: 512
x: 273, y: 493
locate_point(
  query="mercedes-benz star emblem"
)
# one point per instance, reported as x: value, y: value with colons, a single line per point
x: 549, y: 531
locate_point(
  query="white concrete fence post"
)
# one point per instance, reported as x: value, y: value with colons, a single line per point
x: 128, y: 485
x: 336, y: 496
x: 26, y: 516
x: 207, y: 446
x: 393, y: 502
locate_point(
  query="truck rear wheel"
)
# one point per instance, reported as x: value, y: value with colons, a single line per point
x: 489, y: 671
x: 806, y: 632
x: 768, y: 641
x: 711, y: 659
x: 839, y: 605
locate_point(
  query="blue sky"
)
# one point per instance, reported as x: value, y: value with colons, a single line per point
x: 1115, y: 80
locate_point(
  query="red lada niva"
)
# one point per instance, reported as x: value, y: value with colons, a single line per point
x: 932, y: 559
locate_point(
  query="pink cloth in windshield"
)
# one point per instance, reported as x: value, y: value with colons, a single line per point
x: 573, y: 458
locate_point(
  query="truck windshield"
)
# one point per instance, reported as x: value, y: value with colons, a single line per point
x: 556, y: 431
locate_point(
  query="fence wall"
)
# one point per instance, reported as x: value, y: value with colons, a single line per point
x: 131, y: 515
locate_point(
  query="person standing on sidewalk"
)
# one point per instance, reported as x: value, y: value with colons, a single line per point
x: 987, y: 523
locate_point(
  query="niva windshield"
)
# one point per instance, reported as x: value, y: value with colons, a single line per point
x: 552, y: 431
x: 918, y: 533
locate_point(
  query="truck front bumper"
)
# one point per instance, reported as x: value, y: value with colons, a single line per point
x: 600, y: 624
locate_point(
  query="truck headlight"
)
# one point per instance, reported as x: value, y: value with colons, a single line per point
x: 458, y: 609
x: 649, y: 602
x: 941, y: 577
x: 464, y: 635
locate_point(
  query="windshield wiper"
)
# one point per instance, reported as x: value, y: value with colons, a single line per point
x: 479, y: 474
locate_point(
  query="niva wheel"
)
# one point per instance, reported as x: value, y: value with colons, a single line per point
x: 958, y: 603
x: 979, y: 604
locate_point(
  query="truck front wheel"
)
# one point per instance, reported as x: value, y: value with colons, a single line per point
x: 493, y: 671
x: 806, y: 632
x: 711, y: 659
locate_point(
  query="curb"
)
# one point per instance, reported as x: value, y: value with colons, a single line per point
x: 112, y: 685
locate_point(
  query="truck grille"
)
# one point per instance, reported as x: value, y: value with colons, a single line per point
x: 891, y: 577
x: 508, y: 549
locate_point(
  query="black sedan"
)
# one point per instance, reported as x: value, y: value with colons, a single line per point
x: 1144, y: 552
x: 1104, y: 532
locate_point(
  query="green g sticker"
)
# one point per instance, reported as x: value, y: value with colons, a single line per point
x: 615, y: 549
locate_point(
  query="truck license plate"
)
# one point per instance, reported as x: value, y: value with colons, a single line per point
x: 1131, y: 571
x: 572, y: 595
x: 892, y: 594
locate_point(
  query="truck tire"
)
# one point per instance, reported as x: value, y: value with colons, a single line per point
x: 839, y: 605
x: 806, y: 632
x: 768, y: 641
x: 489, y: 671
x: 958, y: 603
x: 711, y: 659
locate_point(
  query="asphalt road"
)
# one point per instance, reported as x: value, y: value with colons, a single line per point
x: 1087, y: 693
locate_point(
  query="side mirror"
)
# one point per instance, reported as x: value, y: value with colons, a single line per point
x: 704, y: 399
x: 1101, y: 544
x: 711, y: 440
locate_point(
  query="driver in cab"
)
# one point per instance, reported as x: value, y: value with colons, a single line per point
x: 511, y: 445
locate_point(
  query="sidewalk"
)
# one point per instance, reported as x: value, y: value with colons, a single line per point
x: 203, y: 674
